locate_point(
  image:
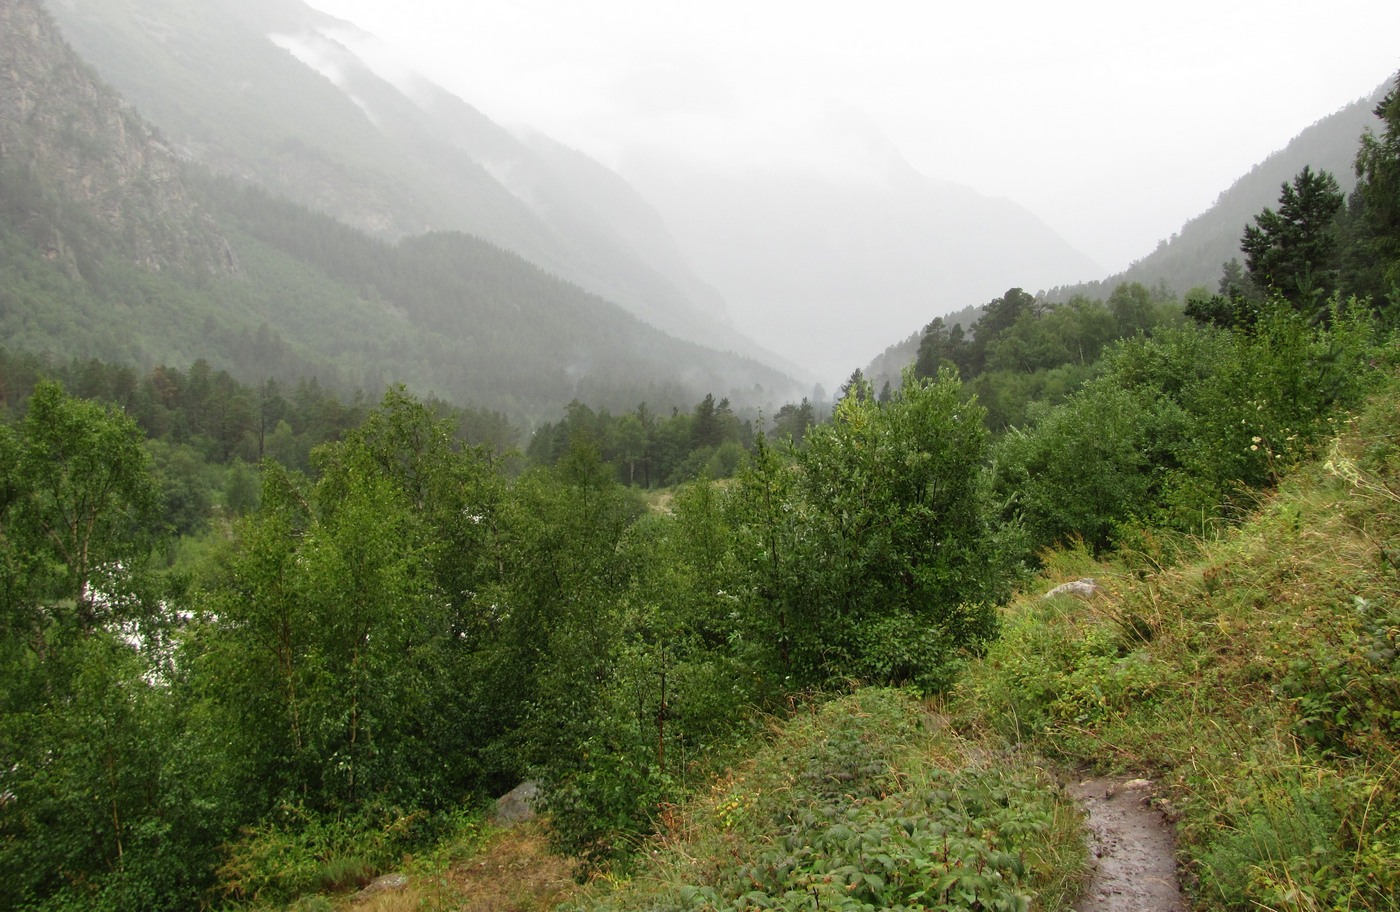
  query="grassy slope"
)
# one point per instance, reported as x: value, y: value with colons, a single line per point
x: 1258, y: 680
x: 870, y: 801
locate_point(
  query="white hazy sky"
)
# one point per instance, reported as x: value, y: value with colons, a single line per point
x: 1115, y: 122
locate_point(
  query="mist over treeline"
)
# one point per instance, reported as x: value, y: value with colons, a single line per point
x: 264, y: 638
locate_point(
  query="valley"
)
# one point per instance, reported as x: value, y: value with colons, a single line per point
x: 362, y: 459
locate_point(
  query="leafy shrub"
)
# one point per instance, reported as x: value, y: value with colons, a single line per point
x: 863, y: 804
x: 297, y: 852
x: 1184, y: 427
x: 882, y: 528
x: 604, y: 806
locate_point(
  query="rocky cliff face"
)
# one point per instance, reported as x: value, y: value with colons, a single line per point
x: 80, y: 172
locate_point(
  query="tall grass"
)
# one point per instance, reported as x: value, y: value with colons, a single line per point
x: 1258, y: 676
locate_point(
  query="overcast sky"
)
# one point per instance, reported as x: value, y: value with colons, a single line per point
x: 1115, y: 122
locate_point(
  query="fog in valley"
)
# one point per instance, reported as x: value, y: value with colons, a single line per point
x: 813, y: 160
x: 745, y: 433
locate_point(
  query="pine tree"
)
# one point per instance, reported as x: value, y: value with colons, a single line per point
x: 1292, y: 252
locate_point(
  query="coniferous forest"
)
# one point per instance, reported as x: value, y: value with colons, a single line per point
x: 265, y: 640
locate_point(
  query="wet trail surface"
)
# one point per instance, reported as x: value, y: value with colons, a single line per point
x: 1132, y: 848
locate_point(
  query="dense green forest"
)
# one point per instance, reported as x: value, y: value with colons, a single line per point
x: 443, y: 312
x: 221, y: 687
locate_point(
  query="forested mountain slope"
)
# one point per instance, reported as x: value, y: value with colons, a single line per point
x: 111, y: 248
x: 1193, y: 256
x: 278, y: 94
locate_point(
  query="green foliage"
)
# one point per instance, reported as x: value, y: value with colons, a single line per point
x: 1292, y: 252
x: 862, y: 805
x: 84, y: 497
x: 1297, y: 839
x: 881, y: 527
x: 336, y: 620
x: 1282, y: 632
x: 1179, y: 429
x: 97, y: 810
x: 648, y: 451
x: 1027, y: 353
x: 1087, y: 465
x: 1373, y: 256
x: 295, y: 852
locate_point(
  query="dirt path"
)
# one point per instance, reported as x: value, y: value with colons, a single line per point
x: 1132, y: 849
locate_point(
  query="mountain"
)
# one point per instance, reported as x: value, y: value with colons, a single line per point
x: 112, y: 247
x: 1194, y: 255
x: 311, y: 108
x: 98, y: 160
x: 860, y: 255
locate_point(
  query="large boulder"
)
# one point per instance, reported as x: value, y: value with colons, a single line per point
x: 517, y: 805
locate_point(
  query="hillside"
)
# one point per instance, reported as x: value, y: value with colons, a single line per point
x: 68, y: 143
x: 1256, y: 679
x: 1194, y: 255
x: 306, y: 106
x: 279, y: 646
x: 113, y: 248
x: 1251, y: 681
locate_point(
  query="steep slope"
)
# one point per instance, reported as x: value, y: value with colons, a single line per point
x: 859, y: 258
x: 110, y: 248
x: 1256, y: 679
x: 1194, y: 255
x: 75, y: 164
x: 277, y: 93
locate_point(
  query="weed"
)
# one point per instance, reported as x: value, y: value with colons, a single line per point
x: 1257, y: 676
x: 868, y: 802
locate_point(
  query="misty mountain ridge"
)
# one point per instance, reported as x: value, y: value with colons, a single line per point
x: 112, y: 247
x: 314, y: 109
x: 829, y: 248
x: 828, y: 257
x: 1194, y: 255
x: 848, y: 234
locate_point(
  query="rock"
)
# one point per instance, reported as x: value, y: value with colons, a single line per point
x: 389, y: 883
x: 517, y: 805
x: 1085, y: 587
x: 1138, y: 784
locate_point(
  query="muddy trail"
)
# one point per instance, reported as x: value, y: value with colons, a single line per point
x: 1131, y: 847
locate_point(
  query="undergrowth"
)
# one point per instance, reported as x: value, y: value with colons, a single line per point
x: 868, y: 802
x: 301, y: 858
x: 1259, y: 678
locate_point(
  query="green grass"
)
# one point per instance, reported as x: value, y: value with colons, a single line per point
x: 1258, y: 678
x: 299, y: 857
x: 869, y: 801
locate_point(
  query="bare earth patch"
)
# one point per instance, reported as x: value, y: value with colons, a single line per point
x: 1133, y: 849
x: 515, y: 873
